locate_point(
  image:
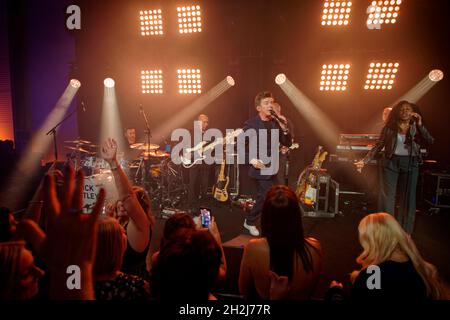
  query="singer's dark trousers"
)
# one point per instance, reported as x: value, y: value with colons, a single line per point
x: 263, y: 186
x: 198, y: 182
x: 399, y: 177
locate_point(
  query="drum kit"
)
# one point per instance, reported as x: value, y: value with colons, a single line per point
x: 152, y: 170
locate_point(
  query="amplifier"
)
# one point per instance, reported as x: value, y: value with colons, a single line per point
x: 437, y: 189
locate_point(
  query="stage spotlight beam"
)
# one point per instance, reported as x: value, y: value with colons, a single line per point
x: 14, y: 190
x: 111, y: 126
x: 424, y: 85
x: 318, y: 120
x: 413, y: 95
x: 192, y: 110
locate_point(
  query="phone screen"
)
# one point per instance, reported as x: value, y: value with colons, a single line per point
x: 205, y: 216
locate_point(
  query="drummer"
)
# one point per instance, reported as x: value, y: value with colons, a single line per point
x: 129, y: 153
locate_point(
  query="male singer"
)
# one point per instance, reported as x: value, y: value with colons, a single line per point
x: 269, y: 120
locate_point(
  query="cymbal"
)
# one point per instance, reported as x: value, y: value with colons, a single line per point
x: 79, y: 141
x: 79, y: 149
x: 156, y: 153
x: 144, y: 146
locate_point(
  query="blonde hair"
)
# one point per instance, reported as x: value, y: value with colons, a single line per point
x: 380, y: 235
x: 10, y: 259
x: 110, y: 247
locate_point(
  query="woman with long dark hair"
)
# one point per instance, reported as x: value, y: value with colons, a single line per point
x: 283, y: 250
x: 401, y: 138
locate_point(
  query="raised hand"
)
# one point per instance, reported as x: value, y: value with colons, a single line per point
x: 418, y: 118
x: 71, y: 236
x: 109, y: 150
x: 359, y: 165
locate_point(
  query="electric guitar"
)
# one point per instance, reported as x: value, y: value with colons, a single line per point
x: 306, y: 190
x: 220, y: 192
x: 285, y: 150
x: 200, y: 148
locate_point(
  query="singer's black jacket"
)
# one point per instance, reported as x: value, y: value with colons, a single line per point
x: 388, y: 140
x: 284, y: 138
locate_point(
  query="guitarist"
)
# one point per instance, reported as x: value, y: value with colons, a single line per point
x: 269, y: 120
x: 199, y: 173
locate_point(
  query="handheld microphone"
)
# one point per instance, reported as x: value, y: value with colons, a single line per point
x: 274, y: 114
x: 413, y: 127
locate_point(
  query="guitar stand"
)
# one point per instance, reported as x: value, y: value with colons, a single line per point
x: 327, y: 196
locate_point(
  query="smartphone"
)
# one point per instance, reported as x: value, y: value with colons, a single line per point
x: 205, y: 217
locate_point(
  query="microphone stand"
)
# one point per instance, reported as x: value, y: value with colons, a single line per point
x: 406, y: 202
x: 52, y: 131
x: 148, y: 135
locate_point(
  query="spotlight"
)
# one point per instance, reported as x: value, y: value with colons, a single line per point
x: 230, y: 81
x: 75, y: 83
x: 280, y: 79
x: 109, y: 83
x: 335, y: 76
x: 336, y: 12
x: 383, y: 78
x: 151, y: 22
x: 436, y: 75
x: 189, y: 81
x: 189, y: 19
x: 382, y: 12
x: 152, y: 81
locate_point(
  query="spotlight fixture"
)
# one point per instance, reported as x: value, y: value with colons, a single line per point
x: 189, y: 81
x: 75, y: 83
x: 230, y: 80
x: 109, y: 83
x: 382, y: 12
x: 151, y: 81
x: 334, y: 77
x: 151, y: 22
x: 381, y: 75
x: 189, y: 19
x: 336, y: 13
x: 436, y: 75
x: 280, y: 79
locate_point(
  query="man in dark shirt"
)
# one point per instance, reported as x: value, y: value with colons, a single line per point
x: 199, y: 173
x: 130, y: 154
x: 266, y: 119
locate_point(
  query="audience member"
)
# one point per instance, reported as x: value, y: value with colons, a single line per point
x: 283, y: 250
